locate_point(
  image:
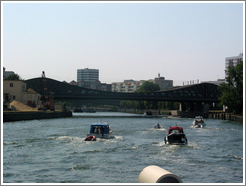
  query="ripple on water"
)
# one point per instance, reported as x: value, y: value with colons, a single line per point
x: 10, y: 143
x: 55, y: 151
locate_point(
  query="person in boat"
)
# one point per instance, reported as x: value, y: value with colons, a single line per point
x: 157, y: 126
x: 195, y: 122
x: 102, y: 131
x: 94, y: 129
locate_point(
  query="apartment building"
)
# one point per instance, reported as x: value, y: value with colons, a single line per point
x: 127, y: 86
x: 87, y: 74
x: 130, y: 86
x: 162, y: 82
x: 16, y: 90
x: 233, y: 61
x: 106, y: 87
x: 13, y: 90
x: 88, y: 78
x: 90, y: 84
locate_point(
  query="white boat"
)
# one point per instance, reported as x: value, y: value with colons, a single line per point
x: 176, y: 136
x: 100, y: 130
x: 198, y: 122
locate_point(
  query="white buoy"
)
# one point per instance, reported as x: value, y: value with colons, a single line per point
x: 155, y: 174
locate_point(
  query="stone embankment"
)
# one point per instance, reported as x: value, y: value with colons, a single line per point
x: 31, y: 115
x: 20, y: 111
x: 225, y: 116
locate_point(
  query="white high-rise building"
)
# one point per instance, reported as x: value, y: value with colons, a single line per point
x: 87, y: 75
x: 88, y: 78
x: 233, y: 61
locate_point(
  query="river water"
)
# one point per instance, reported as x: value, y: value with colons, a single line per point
x: 54, y: 150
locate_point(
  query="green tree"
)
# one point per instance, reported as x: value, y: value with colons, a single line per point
x: 148, y: 87
x: 13, y: 77
x: 64, y: 107
x: 232, y: 91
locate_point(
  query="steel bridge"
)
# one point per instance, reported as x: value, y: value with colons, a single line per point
x: 197, y: 93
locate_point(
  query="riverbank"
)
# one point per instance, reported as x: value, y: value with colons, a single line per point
x: 31, y: 115
x: 217, y: 114
x: 225, y: 116
x: 134, y: 111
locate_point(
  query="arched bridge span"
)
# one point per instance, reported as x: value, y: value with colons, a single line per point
x: 203, y: 92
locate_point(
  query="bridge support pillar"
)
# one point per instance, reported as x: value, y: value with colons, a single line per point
x: 187, y: 106
x: 192, y: 106
x: 199, y: 106
x: 182, y: 106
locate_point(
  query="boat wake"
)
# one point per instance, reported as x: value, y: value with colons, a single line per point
x: 161, y: 129
x: 118, y: 137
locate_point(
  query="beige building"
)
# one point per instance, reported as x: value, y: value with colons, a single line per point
x: 16, y: 90
x: 13, y: 90
x: 31, y: 98
x: 127, y: 86
x: 130, y: 86
x: 162, y: 82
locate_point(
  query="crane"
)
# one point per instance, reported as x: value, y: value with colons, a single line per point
x: 47, y: 100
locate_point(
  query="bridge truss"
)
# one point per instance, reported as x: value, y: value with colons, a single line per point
x: 203, y: 92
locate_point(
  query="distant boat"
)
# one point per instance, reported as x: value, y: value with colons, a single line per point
x: 158, y: 126
x: 78, y: 110
x: 89, y: 110
x: 198, y: 122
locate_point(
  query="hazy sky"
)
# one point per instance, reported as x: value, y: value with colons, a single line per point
x: 181, y: 41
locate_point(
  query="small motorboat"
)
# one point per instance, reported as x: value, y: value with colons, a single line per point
x: 89, y: 110
x: 90, y: 138
x: 100, y: 130
x: 158, y: 126
x: 78, y: 110
x: 198, y: 122
x: 176, y: 136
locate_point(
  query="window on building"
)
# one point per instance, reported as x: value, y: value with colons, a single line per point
x: 6, y: 97
x: 11, y: 84
x: 13, y: 97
